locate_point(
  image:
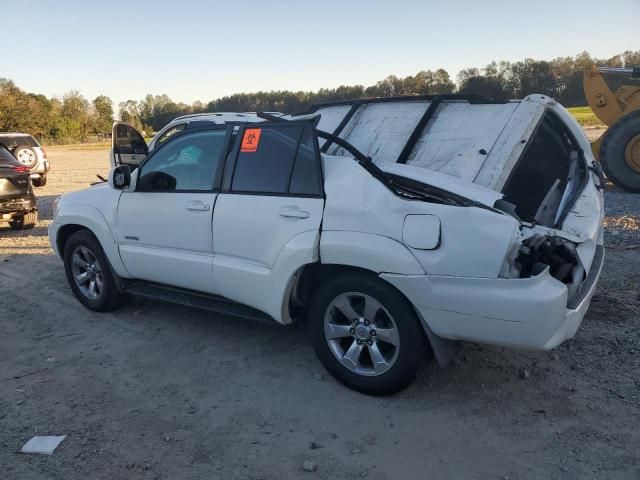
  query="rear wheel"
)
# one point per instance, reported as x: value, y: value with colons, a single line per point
x: 620, y: 152
x: 89, y: 274
x: 24, y: 222
x: 366, y: 334
x: 26, y: 155
x: 40, y: 181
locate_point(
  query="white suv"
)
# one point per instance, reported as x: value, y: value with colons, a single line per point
x: 417, y: 222
x: 30, y: 153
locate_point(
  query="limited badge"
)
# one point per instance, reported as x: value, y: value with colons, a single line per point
x: 250, y: 140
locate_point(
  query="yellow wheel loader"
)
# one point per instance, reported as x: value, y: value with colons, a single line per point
x: 618, y: 149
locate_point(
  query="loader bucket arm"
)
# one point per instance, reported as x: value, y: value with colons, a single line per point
x: 610, y: 106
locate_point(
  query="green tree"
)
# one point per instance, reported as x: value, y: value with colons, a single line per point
x: 103, y: 111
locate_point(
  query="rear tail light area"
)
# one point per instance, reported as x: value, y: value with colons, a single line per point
x: 44, y: 152
x: 20, y: 169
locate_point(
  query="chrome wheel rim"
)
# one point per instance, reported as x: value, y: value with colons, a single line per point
x: 26, y: 157
x: 361, y: 334
x: 87, y: 272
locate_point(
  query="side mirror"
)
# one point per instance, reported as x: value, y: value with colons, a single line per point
x: 120, y: 177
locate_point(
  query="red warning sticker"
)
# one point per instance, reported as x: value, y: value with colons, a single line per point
x: 250, y: 140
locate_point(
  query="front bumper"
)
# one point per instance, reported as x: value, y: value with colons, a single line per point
x: 529, y: 313
x: 52, y: 231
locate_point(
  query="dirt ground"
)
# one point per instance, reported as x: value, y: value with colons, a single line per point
x: 155, y: 391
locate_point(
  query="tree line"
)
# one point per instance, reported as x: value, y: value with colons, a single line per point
x: 74, y: 118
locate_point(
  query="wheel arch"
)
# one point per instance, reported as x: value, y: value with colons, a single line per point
x: 86, y: 217
x: 312, y: 275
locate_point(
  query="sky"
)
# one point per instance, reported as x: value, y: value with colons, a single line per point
x: 201, y: 50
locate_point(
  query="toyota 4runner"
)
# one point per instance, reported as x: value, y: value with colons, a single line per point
x: 396, y: 227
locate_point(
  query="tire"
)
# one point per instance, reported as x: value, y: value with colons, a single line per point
x: 353, y: 291
x: 26, y: 155
x: 41, y: 181
x: 88, y: 250
x: 615, y: 142
x: 24, y: 222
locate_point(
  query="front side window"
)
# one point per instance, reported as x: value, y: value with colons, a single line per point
x: 278, y: 159
x: 186, y: 163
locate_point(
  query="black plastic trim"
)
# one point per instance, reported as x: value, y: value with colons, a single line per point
x: 417, y: 131
x: 596, y: 266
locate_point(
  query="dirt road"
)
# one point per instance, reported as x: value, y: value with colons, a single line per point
x: 155, y: 391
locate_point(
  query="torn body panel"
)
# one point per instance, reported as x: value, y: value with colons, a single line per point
x: 517, y: 276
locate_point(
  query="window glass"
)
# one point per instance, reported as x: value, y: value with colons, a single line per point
x: 172, y: 131
x: 305, y: 179
x: 188, y: 162
x: 266, y: 159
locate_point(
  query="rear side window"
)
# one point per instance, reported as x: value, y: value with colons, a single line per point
x: 12, y: 141
x: 6, y: 158
x: 278, y: 159
x: 305, y: 179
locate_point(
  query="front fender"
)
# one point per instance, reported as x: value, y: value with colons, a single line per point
x: 91, y: 218
x: 372, y: 252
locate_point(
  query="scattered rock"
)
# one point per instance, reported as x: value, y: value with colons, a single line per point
x: 355, y: 450
x: 167, y: 438
x: 334, y: 436
x: 309, y: 466
x: 318, y: 376
x: 314, y: 446
x: 364, y: 473
x: 524, y: 373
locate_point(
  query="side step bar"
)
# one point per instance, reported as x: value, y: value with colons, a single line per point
x: 188, y: 298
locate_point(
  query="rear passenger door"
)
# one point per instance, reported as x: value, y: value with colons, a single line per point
x: 267, y: 218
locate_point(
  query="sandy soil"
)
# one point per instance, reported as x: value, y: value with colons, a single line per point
x: 156, y: 391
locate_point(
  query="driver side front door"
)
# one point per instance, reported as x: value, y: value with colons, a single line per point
x: 164, y: 226
x: 127, y: 146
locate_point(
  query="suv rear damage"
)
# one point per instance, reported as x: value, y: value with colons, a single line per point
x: 460, y: 219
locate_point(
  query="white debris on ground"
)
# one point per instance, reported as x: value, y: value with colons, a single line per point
x: 43, y: 445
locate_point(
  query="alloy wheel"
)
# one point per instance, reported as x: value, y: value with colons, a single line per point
x: 87, y: 272
x: 361, y: 334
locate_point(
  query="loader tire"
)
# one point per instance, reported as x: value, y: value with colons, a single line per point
x: 620, y: 152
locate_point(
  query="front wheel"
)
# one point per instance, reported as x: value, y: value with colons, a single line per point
x: 366, y: 334
x: 89, y: 274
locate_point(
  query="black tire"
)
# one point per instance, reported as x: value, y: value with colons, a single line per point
x: 412, y: 349
x: 40, y: 181
x: 612, y: 152
x: 24, y: 222
x: 34, y: 157
x: 109, y: 298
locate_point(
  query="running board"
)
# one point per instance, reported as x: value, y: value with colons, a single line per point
x: 189, y: 298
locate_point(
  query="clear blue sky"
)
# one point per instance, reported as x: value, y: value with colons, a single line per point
x: 201, y: 50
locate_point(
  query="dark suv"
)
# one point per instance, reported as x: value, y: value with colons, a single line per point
x: 17, y: 201
x: 30, y: 153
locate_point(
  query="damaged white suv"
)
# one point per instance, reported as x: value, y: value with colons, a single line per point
x: 415, y: 223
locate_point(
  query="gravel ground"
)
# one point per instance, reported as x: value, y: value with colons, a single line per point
x: 156, y: 391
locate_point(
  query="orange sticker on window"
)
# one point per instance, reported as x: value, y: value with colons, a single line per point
x: 250, y: 140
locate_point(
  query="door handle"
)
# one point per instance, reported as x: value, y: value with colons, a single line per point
x: 293, y: 212
x: 198, y: 206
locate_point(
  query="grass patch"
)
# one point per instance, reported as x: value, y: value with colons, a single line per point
x: 585, y: 116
